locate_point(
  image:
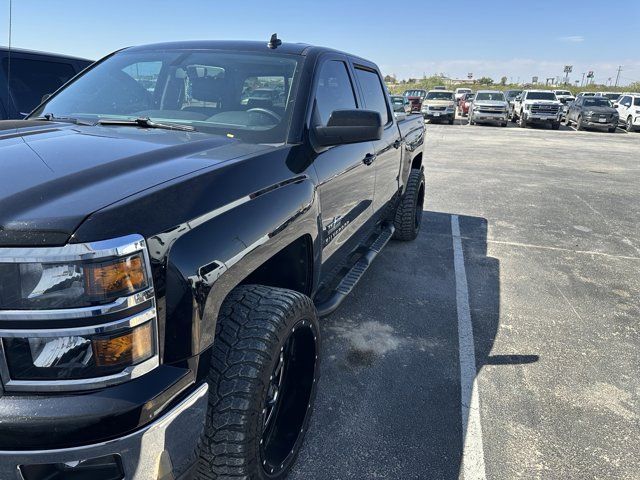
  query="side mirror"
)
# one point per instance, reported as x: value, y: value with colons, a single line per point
x: 616, y: 105
x: 349, y: 126
x: 45, y: 97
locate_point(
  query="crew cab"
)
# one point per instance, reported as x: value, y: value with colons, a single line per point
x: 537, y: 106
x: 32, y: 75
x: 166, y: 251
x: 628, y: 107
x: 593, y: 112
x: 439, y: 105
x: 415, y: 97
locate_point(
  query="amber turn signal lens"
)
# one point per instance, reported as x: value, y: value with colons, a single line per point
x: 118, y: 277
x: 126, y: 348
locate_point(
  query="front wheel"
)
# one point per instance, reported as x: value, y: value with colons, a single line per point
x: 262, y: 383
x: 579, y: 125
x: 611, y: 130
x: 555, y: 125
x: 629, y: 126
x: 408, y: 217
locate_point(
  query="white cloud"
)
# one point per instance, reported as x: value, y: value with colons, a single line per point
x: 572, y: 39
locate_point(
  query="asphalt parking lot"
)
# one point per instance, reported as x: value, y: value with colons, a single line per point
x: 537, y: 232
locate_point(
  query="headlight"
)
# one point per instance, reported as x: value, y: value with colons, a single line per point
x: 44, y: 286
x: 637, y: 112
x: 84, y: 355
x: 83, y: 315
x: 589, y: 113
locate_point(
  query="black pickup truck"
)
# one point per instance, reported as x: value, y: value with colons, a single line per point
x: 169, y: 237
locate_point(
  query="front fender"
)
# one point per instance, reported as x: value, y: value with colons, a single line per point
x: 220, y: 249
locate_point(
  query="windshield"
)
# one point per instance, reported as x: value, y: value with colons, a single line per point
x: 596, y: 102
x: 563, y: 92
x: 612, y: 96
x: 464, y: 90
x: 541, y: 96
x: 415, y: 93
x: 397, y: 100
x: 242, y: 95
x: 439, y: 95
x: 495, y: 96
x: 513, y: 93
x: 636, y: 101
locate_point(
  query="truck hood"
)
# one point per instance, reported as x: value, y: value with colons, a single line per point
x: 600, y: 110
x: 54, y: 175
x: 543, y: 102
x: 438, y: 103
x: 490, y: 103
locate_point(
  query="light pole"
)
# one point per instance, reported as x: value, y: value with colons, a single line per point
x: 582, y: 82
x: 567, y: 70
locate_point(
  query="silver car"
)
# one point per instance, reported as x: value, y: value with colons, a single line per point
x: 489, y: 106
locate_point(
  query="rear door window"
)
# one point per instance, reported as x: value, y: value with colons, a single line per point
x: 334, y: 90
x: 373, y: 93
x: 32, y: 79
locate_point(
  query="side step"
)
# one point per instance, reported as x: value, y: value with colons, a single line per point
x: 355, y: 273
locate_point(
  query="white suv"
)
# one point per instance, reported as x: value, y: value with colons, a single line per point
x: 628, y: 107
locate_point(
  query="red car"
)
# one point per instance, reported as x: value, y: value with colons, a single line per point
x: 415, y: 98
x: 465, y: 103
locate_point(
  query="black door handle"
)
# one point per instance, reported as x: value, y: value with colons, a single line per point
x: 369, y: 158
x: 397, y: 143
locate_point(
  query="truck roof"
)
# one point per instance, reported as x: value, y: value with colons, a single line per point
x: 37, y: 52
x: 238, y: 45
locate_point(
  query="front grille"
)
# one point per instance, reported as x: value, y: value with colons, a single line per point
x: 491, y: 110
x: 437, y: 108
x: 545, y: 109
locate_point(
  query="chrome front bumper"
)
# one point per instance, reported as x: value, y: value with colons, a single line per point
x: 489, y: 116
x: 163, y: 450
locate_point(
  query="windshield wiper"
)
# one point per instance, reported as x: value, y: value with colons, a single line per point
x: 145, y: 122
x: 50, y: 117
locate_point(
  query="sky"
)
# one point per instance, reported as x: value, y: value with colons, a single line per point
x: 516, y: 39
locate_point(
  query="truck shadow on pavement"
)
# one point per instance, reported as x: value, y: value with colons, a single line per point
x: 388, y: 404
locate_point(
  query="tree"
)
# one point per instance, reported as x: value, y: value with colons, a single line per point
x: 503, y: 81
x: 389, y: 79
x: 485, y: 81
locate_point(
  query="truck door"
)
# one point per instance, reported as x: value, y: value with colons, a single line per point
x: 345, y: 174
x: 387, y: 150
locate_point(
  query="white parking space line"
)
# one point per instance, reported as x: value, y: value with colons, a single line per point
x: 473, y: 450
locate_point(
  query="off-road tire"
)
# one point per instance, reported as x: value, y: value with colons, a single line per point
x: 408, y: 216
x: 254, y: 323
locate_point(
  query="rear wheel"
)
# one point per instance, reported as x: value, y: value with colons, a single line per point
x: 262, y: 384
x: 408, y: 216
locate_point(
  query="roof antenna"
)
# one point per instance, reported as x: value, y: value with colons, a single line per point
x: 275, y: 42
